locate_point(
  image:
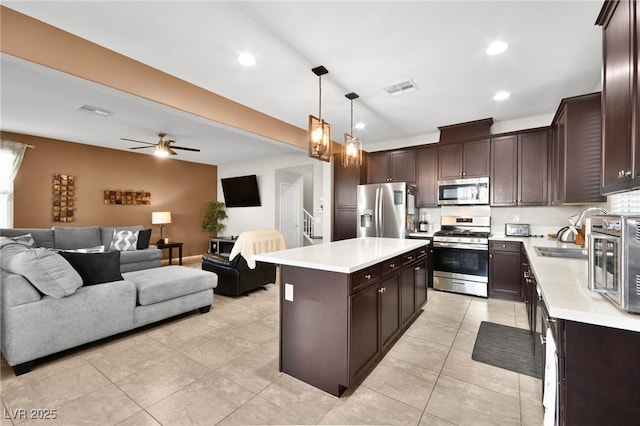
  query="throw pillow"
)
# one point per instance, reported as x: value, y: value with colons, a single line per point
x: 95, y: 268
x: 46, y: 270
x: 143, y: 239
x: 26, y: 240
x: 124, y: 240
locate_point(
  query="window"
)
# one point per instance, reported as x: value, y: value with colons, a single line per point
x: 11, y: 154
x: 626, y: 202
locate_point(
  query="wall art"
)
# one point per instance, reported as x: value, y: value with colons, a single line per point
x: 63, y: 198
x: 127, y: 198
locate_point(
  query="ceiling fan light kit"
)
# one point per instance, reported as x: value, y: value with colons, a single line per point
x: 163, y: 148
x: 319, y: 136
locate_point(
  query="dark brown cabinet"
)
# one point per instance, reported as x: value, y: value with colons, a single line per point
x: 620, y: 98
x: 345, y: 185
x: 421, y: 277
x: 464, y: 159
x: 365, y: 307
x: 504, y: 270
x: 529, y: 289
x: 392, y: 166
x: 427, y: 176
x: 576, y: 153
x: 390, y: 302
x: 597, y: 384
x: 519, y: 169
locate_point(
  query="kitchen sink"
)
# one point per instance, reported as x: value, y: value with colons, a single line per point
x: 566, y: 252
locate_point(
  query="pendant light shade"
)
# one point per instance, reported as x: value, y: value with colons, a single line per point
x: 319, y: 137
x: 352, y: 148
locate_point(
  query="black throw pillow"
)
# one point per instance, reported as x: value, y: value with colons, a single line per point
x: 143, y: 239
x: 95, y: 268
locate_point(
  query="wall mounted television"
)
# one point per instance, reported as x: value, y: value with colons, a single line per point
x: 241, y: 191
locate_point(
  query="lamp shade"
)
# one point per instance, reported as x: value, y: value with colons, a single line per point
x: 159, y: 218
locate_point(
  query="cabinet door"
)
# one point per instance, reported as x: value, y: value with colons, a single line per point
x: 345, y: 184
x: 389, y: 309
x: 617, y: 96
x: 365, y: 344
x: 408, y: 294
x: 378, y: 168
x: 450, y: 161
x: 504, y: 275
x: 504, y: 171
x: 427, y: 175
x: 476, y: 159
x: 403, y: 166
x: 558, y: 159
x: 421, y: 281
x: 345, y: 223
x: 532, y: 169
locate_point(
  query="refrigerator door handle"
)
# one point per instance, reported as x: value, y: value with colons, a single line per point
x: 378, y: 212
x: 380, y: 204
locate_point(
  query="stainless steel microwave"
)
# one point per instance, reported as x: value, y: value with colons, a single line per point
x: 614, y: 259
x: 472, y: 191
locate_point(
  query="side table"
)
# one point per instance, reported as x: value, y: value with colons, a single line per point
x: 171, y: 246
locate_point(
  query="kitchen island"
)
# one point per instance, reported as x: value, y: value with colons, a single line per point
x: 343, y: 305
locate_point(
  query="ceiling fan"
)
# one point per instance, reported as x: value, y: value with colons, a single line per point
x: 163, y: 148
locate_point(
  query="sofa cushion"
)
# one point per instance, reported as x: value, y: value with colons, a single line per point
x: 106, y: 233
x: 42, y: 237
x: 160, y: 284
x: 76, y: 237
x: 124, y: 240
x: 144, y: 236
x: 95, y: 268
x: 45, y: 269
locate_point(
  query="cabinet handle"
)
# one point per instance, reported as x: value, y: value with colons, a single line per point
x: 490, y: 255
x: 393, y: 265
x: 368, y: 276
x: 382, y: 290
x: 410, y: 257
x: 543, y: 341
x: 504, y: 246
x: 417, y: 268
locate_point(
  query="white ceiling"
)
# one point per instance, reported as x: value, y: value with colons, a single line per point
x: 555, y: 52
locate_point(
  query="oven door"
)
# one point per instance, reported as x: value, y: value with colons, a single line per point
x: 461, y: 268
x: 605, y: 265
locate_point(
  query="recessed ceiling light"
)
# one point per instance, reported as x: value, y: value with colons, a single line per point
x: 501, y: 96
x: 360, y: 126
x: 247, y: 59
x: 496, y: 48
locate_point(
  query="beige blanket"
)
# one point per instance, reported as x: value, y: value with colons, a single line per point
x: 256, y: 242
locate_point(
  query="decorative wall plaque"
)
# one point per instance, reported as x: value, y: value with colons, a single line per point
x: 63, y: 198
x: 128, y: 198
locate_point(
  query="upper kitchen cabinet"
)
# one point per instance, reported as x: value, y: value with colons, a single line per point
x: 519, y: 169
x: 576, y: 152
x: 464, y: 159
x: 392, y: 166
x: 620, y: 98
x: 427, y: 183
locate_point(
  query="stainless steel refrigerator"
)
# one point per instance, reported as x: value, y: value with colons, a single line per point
x: 386, y: 210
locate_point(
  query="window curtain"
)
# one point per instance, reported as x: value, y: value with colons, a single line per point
x: 11, y: 155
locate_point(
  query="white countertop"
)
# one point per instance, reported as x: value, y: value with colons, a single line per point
x: 563, y: 286
x: 344, y: 256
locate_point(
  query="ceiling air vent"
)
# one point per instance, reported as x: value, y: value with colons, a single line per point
x: 401, y: 88
x: 94, y: 110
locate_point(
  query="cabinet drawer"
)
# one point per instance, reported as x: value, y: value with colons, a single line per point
x: 364, y: 278
x: 409, y: 257
x: 422, y: 252
x: 504, y: 246
x: 391, y: 265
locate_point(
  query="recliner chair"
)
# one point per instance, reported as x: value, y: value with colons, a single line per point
x: 235, y: 277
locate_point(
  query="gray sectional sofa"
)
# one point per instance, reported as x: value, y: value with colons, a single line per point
x: 52, y: 300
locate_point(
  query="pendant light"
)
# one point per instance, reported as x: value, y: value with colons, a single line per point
x: 319, y: 130
x: 352, y: 149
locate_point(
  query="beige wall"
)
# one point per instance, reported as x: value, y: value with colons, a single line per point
x: 181, y: 187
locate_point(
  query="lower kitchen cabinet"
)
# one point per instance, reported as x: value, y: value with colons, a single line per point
x: 504, y: 270
x: 365, y: 339
x: 529, y: 290
x: 598, y: 372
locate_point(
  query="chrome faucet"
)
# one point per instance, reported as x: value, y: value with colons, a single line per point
x: 581, y: 216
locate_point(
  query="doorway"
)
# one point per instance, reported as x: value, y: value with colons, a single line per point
x: 290, y: 214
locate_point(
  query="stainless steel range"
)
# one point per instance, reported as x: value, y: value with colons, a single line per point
x: 461, y: 255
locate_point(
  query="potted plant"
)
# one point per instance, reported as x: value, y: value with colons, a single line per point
x: 213, y: 214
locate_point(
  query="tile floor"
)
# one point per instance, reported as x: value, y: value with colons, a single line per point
x: 222, y: 368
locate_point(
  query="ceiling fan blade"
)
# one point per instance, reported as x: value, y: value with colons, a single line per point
x: 185, y: 148
x: 140, y: 147
x: 133, y: 140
